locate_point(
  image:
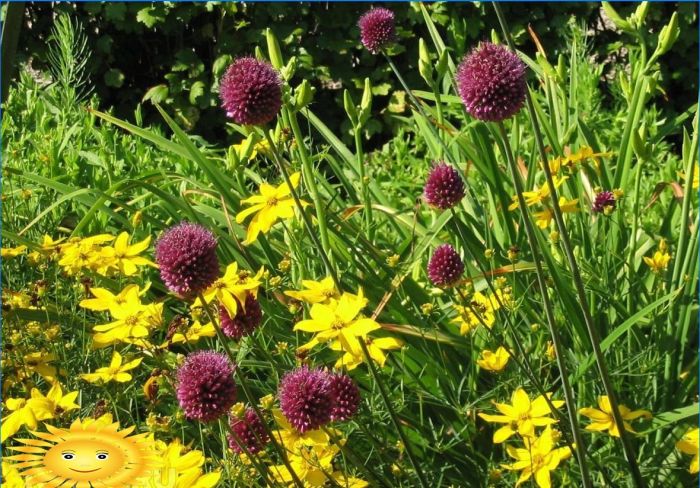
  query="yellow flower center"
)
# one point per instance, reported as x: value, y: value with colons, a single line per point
x: 272, y: 202
x: 131, y: 320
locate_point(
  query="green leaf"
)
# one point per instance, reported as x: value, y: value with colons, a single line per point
x: 196, y: 91
x: 156, y: 94
x: 114, y: 78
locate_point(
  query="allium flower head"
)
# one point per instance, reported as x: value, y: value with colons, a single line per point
x: 251, y: 92
x: 250, y: 433
x: 377, y: 29
x: 445, y: 267
x: 604, y: 202
x: 186, y: 255
x: 346, y: 397
x: 491, y: 82
x: 306, y: 398
x: 247, y: 319
x: 444, y: 187
x: 205, y: 386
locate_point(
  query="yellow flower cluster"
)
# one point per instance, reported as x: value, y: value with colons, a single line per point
x: 574, y: 161
x: 132, y: 320
x: 603, y: 420
x: 94, y: 253
x: 337, y: 319
x: 481, y: 310
x: 539, y: 456
x: 310, y: 456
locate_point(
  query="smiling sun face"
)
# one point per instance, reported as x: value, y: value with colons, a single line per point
x: 89, y: 454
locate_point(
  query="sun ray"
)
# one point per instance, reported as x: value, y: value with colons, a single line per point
x: 89, y: 454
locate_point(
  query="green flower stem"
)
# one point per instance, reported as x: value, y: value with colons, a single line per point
x: 364, y: 182
x: 578, y: 282
x: 307, y: 222
x: 394, y: 418
x: 556, y: 340
x: 633, y: 236
x: 310, y: 182
x: 247, y: 392
x: 356, y: 461
x: 260, y: 466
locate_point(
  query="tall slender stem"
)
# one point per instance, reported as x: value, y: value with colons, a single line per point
x: 556, y: 339
x: 310, y: 182
x: 394, y: 418
x: 305, y: 218
x: 576, y: 274
x: 363, y: 182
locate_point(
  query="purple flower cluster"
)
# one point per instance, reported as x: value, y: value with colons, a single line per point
x: 445, y: 267
x: 444, y: 187
x: 251, y: 92
x: 377, y: 29
x: 310, y: 398
x: 604, y: 202
x: 249, y: 433
x: 205, y: 386
x: 186, y: 256
x: 491, y: 82
x: 247, y: 319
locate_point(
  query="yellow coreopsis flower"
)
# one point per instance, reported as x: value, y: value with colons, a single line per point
x: 339, y: 320
x: 232, y: 288
x: 538, y: 458
x: 293, y: 440
x: 84, y: 253
x: 658, y: 262
x: 480, y: 311
x: 125, y: 257
x: 12, y: 252
x: 11, y: 477
x: 376, y: 348
x: 53, y: 404
x: 689, y: 445
x: 116, y: 371
x: 312, y: 464
x: 603, y: 419
x: 544, y: 217
x: 22, y: 414
x: 106, y: 300
x: 133, y: 323
x: 522, y: 416
x: 195, y: 332
x: 538, y: 194
x: 271, y: 205
x: 38, y: 362
x: 315, y: 291
x: 493, y: 361
x: 182, y: 468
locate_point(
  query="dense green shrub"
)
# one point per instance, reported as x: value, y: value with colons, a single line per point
x: 176, y: 52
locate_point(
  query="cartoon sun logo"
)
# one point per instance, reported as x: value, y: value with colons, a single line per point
x: 90, y: 454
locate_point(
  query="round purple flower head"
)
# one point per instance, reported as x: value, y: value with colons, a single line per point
x: 250, y: 434
x: 604, y: 202
x: 251, y: 92
x: 377, y: 30
x: 245, y: 321
x: 306, y: 398
x: 205, y: 386
x: 346, y: 397
x: 491, y: 82
x: 444, y: 187
x: 445, y: 267
x: 186, y: 256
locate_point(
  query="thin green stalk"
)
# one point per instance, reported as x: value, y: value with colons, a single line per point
x: 633, y: 237
x: 394, y: 418
x: 305, y: 218
x: 578, y: 282
x: 356, y: 461
x: 247, y: 393
x: 556, y: 340
x: 364, y: 182
x: 311, y: 184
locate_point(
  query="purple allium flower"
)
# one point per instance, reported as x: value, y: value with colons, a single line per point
x: 205, y: 386
x: 444, y: 187
x: 249, y: 433
x: 604, y: 202
x: 491, y: 82
x: 251, y: 92
x: 306, y: 398
x: 186, y: 255
x: 445, y: 267
x: 377, y: 29
x: 245, y: 321
x: 346, y: 397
